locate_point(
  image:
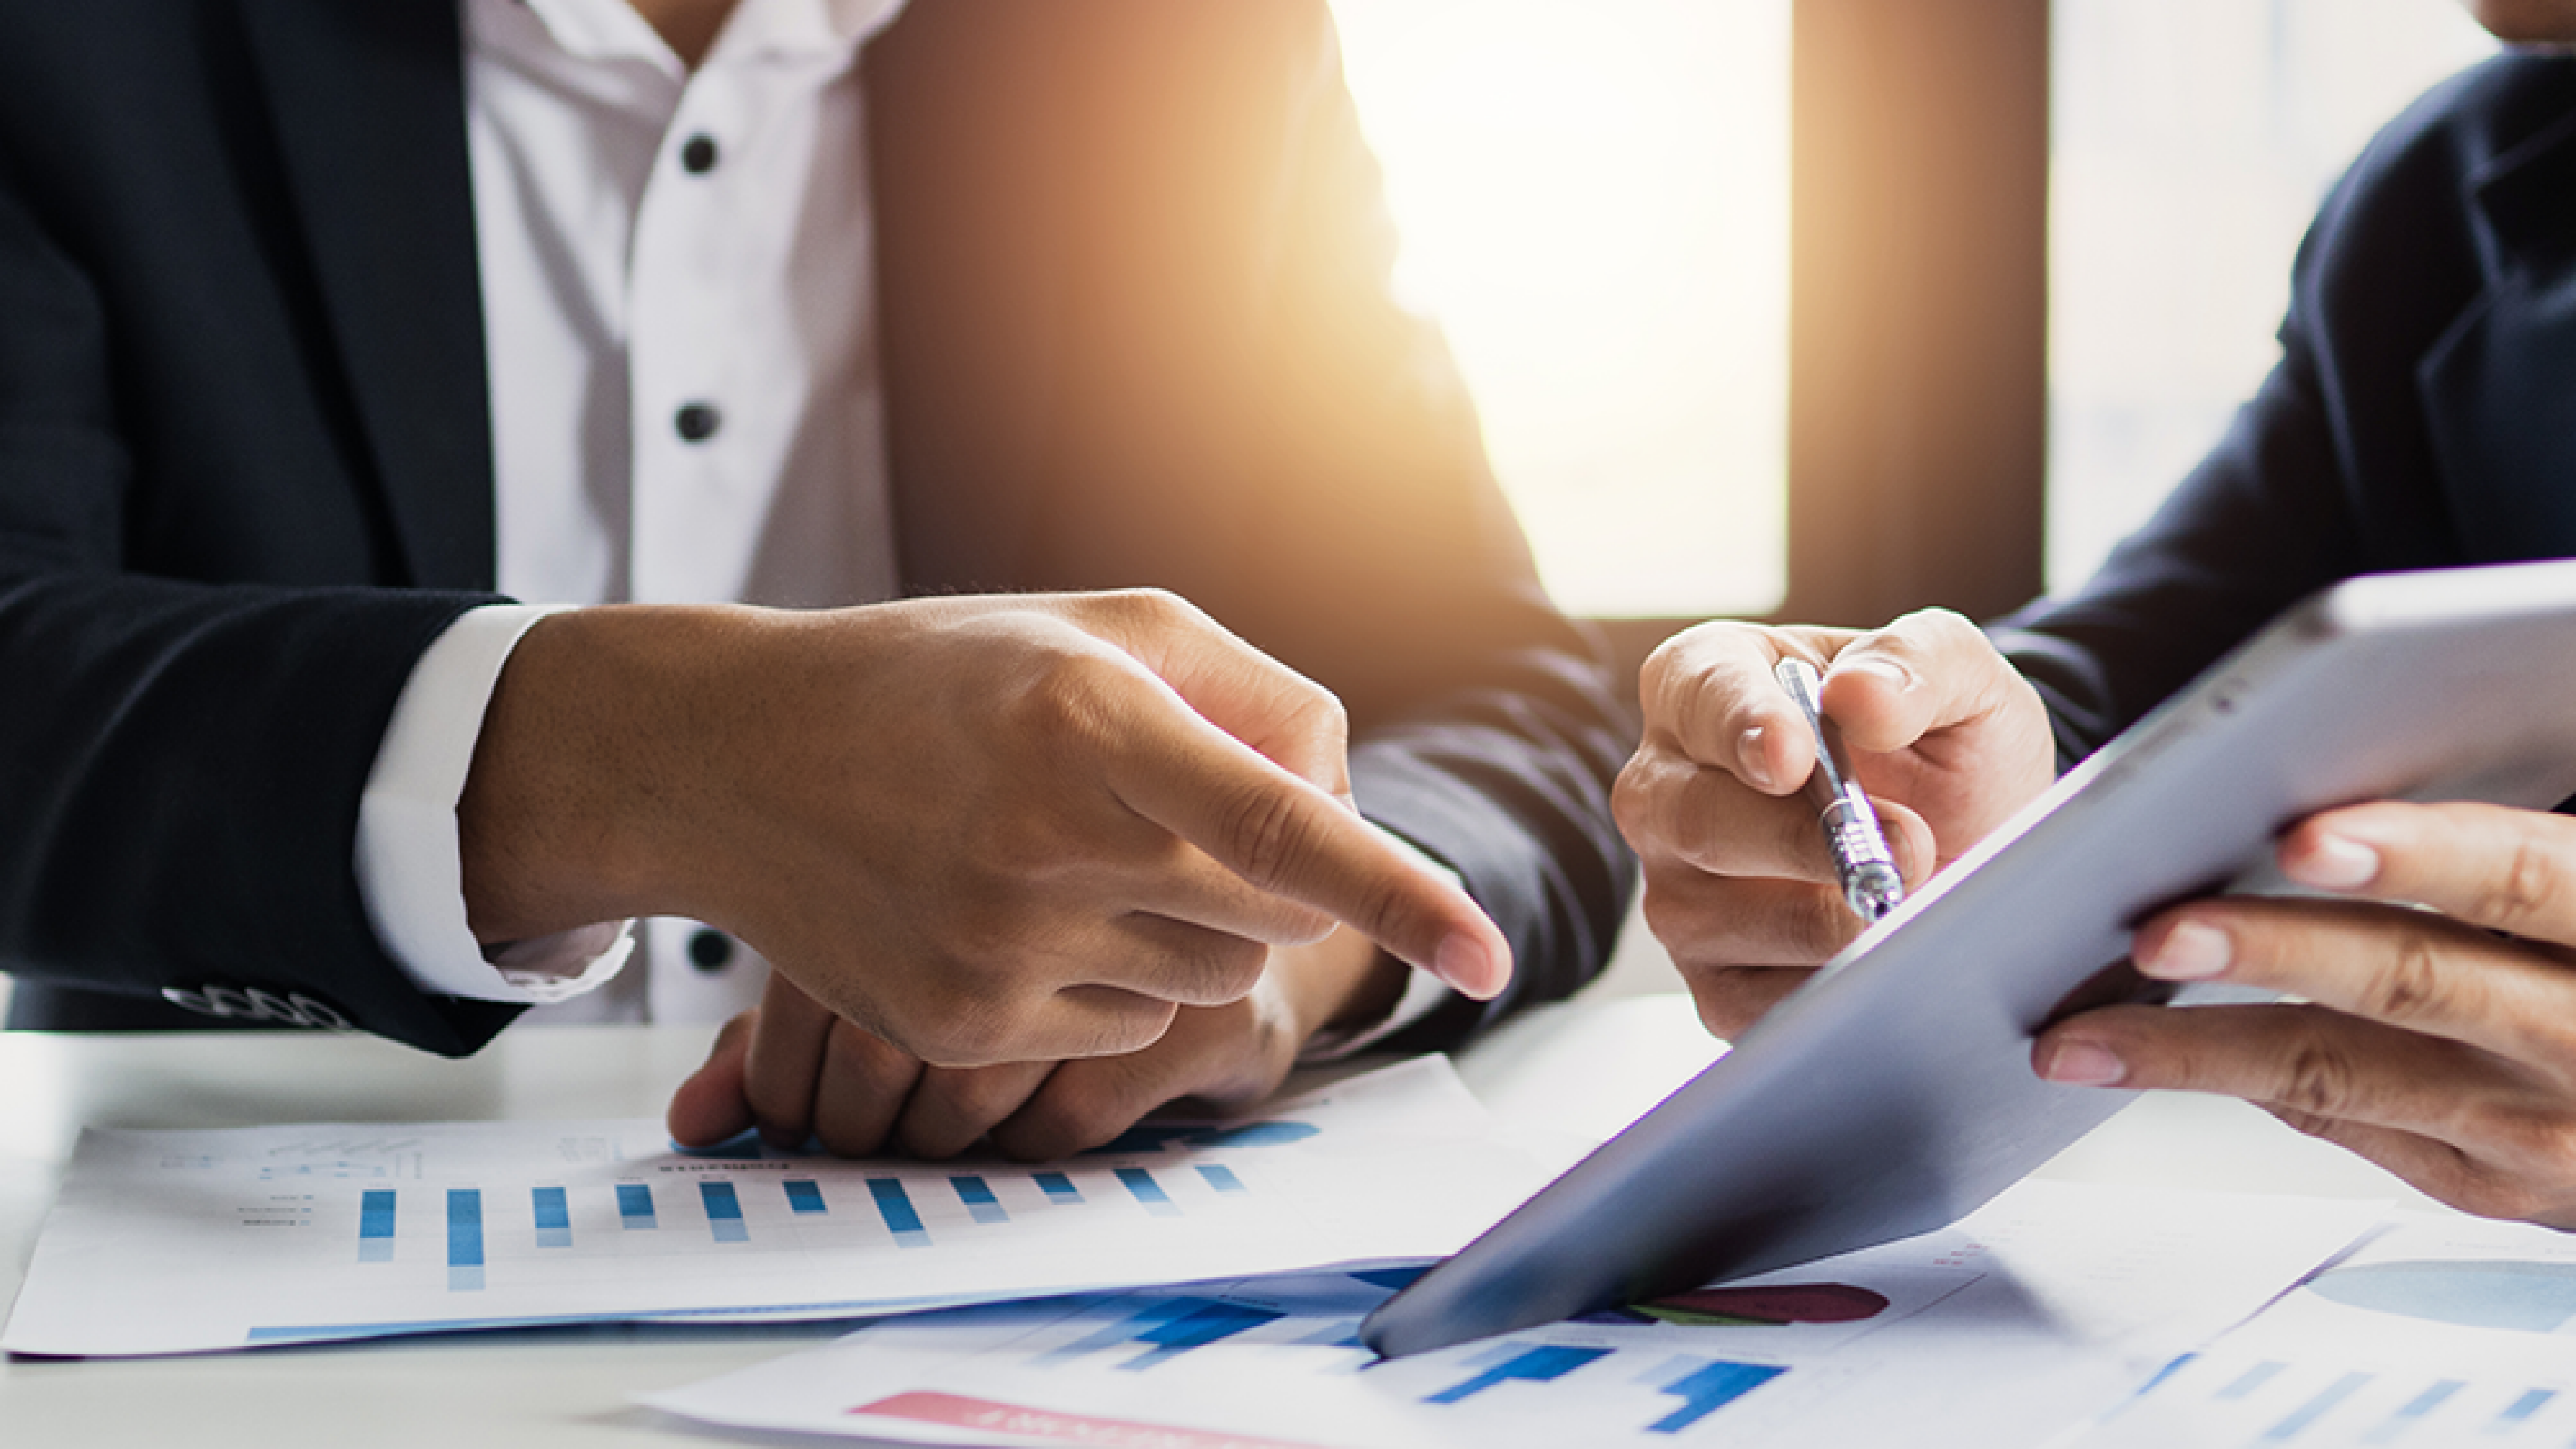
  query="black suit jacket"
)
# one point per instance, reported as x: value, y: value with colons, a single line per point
x: 1132, y: 266
x: 2423, y: 413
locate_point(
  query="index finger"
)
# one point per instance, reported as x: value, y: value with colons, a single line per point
x: 1283, y: 835
x: 2489, y: 865
x: 1711, y: 693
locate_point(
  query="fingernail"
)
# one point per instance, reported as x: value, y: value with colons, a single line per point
x: 2336, y: 863
x: 2190, y: 951
x: 1887, y: 669
x: 1750, y: 759
x: 1465, y: 964
x: 2082, y: 1064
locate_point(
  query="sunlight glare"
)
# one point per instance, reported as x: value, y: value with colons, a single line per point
x: 1594, y: 198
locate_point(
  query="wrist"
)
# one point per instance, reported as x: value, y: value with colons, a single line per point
x: 580, y: 770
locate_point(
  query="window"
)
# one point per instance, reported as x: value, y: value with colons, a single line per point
x: 1594, y: 198
x: 2193, y: 141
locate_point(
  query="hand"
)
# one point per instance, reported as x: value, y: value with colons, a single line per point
x: 2440, y: 1046
x: 982, y: 830
x: 1947, y: 738
x: 797, y: 1072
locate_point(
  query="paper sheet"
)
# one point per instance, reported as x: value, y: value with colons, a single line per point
x: 168, y: 1242
x: 2443, y: 1330
x: 2047, y: 1306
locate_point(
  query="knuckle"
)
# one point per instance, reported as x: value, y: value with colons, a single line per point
x: 2317, y: 1077
x: 2412, y: 986
x: 1159, y: 607
x: 1632, y: 799
x: 2525, y: 891
x: 1067, y: 704
x: 1263, y: 833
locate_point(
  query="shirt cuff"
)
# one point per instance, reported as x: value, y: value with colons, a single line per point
x: 1424, y: 993
x: 411, y: 871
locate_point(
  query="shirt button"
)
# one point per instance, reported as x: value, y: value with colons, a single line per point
x: 698, y: 155
x: 710, y: 950
x: 697, y: 422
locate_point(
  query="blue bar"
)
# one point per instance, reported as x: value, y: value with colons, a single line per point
x: 1221, y: 1177
x: 2250, y: 1380
x: 724, y: 1211
x: 806, y: 1197
x: 1709, y: 1388
x: 554, y: 1218
x: 1209, y: 1322
x: 1149, y: 1192
x: 376, y: 1226
x: 635, y: 1207
x: 1058, y: 1187
x: 981, y: 1205
x: 2526, y: 1406
x: 2416, y: 1409
x: 1257, y: 1134
x: 2316, y: 1408
x: 464, y: 1239
x: 895, y: 1206
x: 1544, y: 1364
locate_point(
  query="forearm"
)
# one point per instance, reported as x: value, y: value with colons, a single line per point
x: 203, y: 751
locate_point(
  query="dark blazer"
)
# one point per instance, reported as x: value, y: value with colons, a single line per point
x: 1132, y: 265
x: 2423, y: 413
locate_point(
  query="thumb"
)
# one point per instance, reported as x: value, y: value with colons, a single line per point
x: 711, y: 1106
x: 1927, y: 672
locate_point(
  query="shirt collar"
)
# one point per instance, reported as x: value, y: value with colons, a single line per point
x: 611, y: 30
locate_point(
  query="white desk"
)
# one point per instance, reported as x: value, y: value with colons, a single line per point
x: 1584, y: 1068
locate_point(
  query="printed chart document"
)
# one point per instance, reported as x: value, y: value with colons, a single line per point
x: 171, y: 1242
x: 2043, y: 1308
x: 2445, y: 1330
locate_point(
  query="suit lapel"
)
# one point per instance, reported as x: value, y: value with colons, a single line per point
x: 369, y: 103
x: 2499, y: 385
x: 966, y: 131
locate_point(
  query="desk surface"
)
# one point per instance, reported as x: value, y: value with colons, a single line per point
x: 1585, y: 1068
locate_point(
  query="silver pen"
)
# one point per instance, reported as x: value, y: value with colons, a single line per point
x: 1872, y: 886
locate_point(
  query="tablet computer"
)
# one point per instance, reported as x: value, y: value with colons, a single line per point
x: 1893, y: 1093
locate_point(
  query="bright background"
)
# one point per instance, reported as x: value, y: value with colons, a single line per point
x: 2193, y: 140
x: 1595, y: 201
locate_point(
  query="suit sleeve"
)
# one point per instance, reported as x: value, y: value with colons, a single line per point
x: 2260, y: 524
x: 1487, y: 728
x: 180, y: 762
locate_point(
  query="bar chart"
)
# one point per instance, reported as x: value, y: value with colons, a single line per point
x: 2441, y: 1330
x: 481, y: 1225
x: 726, y: 1204
x: 2234, y: 1398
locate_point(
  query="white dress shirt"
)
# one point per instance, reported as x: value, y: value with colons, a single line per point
x: 679, y: 317
x: 680, y: 328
